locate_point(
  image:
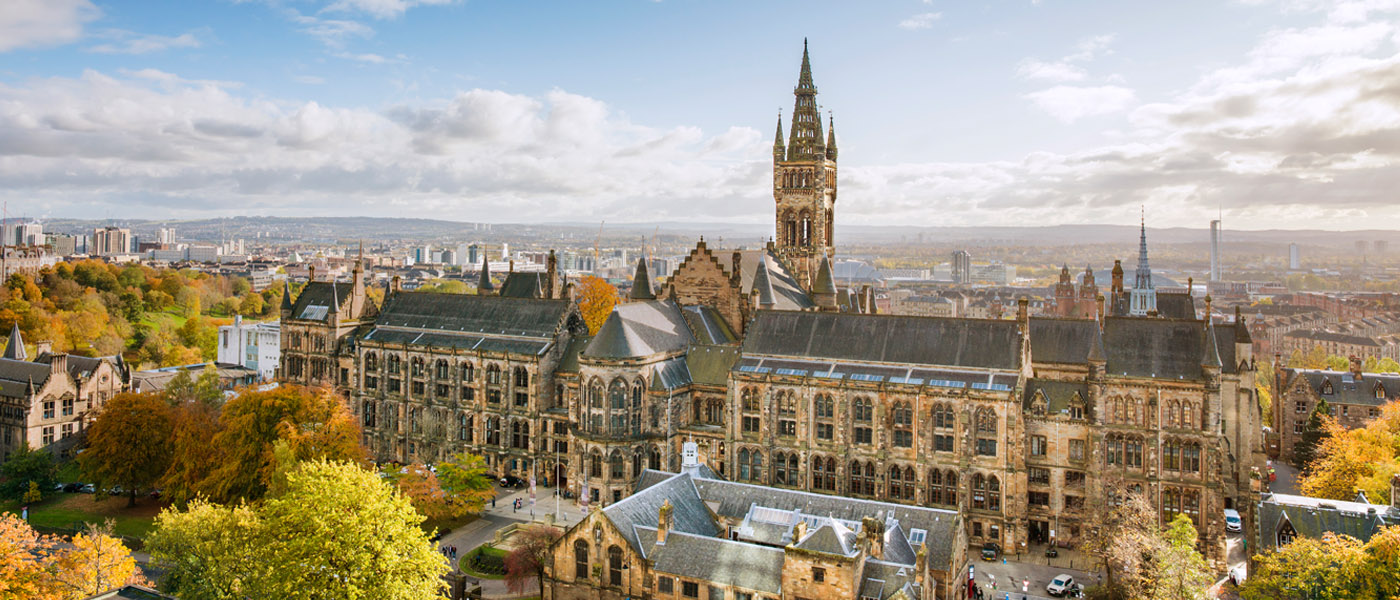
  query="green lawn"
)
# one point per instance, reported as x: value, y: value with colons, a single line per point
x: 71, y: 511
x: 465, y: 561
x: 155, y: 319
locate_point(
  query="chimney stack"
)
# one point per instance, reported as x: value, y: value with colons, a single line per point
x: 43, y: 347
x: 1355, y: 366
x: 663, y: 522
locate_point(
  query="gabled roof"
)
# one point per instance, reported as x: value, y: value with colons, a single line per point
x: 78, y: 366
x: 787, y: 294
x: 524, y: 285
x: 688, y: 512
x: 1311, y: 517
x: 321, y: 299
x: 976, y: 343
x: 707, y: 325
x: 717, y: 560
x: 1058, y: 394
x: 1348, y: 389
x: 639, y: 329
x: 17, y: 375
x: 830, y: 537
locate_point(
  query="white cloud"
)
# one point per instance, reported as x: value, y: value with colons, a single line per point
x: 126, y: 42
x: 1050, y: 71
x: 40, y: 23
x: 331, y: 32
x: 382, y: 9
x: 920, y: 21
x: 1070, y: 103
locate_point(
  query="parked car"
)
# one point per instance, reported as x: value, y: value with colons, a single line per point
x: 1062, y: 584
x: 511, y: 481
x: 72, y: 487
x: 990, y: 551
x: 1232, y: 521
x: 88, y: 488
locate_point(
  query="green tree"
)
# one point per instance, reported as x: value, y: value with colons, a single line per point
x: 466, y: 481
x: 1316, y: 358
x: 23, y: 466
x: 1179, y: 572
x: 1308, y: 569
x: 251, y: 305
x: 336, y: 532
x: 1338, y: 363
x: 130, y: 444
x: 1314, y: 432
x: 1387, y: 365
x: 1296, y: 360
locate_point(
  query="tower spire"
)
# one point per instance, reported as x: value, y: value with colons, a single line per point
x: 779, y: 150
x: 830, y: 136
x: 805, y: 140
x: 1143, y: 298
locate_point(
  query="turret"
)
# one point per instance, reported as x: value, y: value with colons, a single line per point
x: 14, y: 348
x: 779, y: 149
x: 830, y: 138
x: 641, y: 283
x: 286, y: 300
x: 824, y: 291
x: 484, y: 287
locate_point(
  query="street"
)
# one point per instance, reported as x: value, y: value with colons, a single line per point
x: 483, y: 530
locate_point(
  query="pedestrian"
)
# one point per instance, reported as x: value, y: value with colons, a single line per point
x: 493, y: 501
x: 454, y: 552
x: 24, y: 513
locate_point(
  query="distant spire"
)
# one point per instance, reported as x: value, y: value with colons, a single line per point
x: 805, y: 140
x: 641, y: 283
x: 830, y: 136
x: 14, y: 348
x: 1143, y: 296
x: 484, y: 285
x: 286, y: 296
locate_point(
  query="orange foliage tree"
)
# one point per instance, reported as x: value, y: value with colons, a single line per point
x: 130, y: 444
x: 596, y: 299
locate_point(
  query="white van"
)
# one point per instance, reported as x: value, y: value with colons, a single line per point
x: 1233, y: 523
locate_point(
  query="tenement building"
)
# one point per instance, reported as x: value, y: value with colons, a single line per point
x: 792, y: 390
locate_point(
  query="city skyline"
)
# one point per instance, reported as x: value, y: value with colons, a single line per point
x: 1276, y: 114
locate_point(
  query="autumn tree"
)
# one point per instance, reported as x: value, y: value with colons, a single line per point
x: 24, y: 466
x: 529, y: 557
x: 596, y: 299
x: 1313, y: 433
x: 1364, y: 459
x: 315, y: 422
x: 466, y: 481
x: 194, y: 424
x: 1308, y: 569
x: 24, y: 555
x: 1315, y: 358
x: 94, y: 562
x: 130, y: 443
x: 355, y: 537
x: 425, y: 492
x: 1124, y: 536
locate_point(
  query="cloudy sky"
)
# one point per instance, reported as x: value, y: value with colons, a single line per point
x: 948, y: 112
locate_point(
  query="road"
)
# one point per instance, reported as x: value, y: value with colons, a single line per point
x: 503, y: 514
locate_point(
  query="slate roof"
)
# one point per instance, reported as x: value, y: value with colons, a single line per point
x: 1311, y: 517
x: 1176, y: 305
x: 1058, y: 394
x: 883, y: 579
x: 568, y: 363
x: 733, y: 500
x: 1062, y: 340
x: 320, y: 299
x: 15, y: 376
x: 708, y: 326
x: 638, y: 329
x: 473, y: 314
x: 977, y: 343
x: 1154, y: 347
x: 1347, y: 389
x: 524, y: 285
x: 724, y: 562
x: 78, y: 366
x: 787, y: 294
x: 710, y: 365
x: 688, y: 512
x: 14, y: 346
x: 829, y: 538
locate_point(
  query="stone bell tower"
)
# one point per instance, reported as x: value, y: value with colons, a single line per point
x: 804, y: 183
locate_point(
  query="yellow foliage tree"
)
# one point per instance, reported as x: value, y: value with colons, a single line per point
x: 23, y: 554
x: 1361, y: 459
x: 94, y: 563
x: 596, y: 299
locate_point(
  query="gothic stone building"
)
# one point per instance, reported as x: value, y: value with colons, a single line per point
x: 1353, y: 397
x: 691, y: 535
x: 49, y: 402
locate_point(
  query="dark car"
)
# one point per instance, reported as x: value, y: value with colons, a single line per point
x: 72, y: 487
x: 511, y: 481
x: 990, y: 551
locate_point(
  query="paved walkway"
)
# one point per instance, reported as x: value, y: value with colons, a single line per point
x: 1286, y: 479
x: 1031, y: 571
x: 483, y: 530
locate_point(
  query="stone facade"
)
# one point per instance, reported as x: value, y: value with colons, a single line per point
x: 1354, y: 399
x: 50, y: 402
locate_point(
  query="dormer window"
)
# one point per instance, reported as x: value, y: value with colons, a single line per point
x: 1380, y: 392
x: 1038, y: 404
x: 1327, y: 387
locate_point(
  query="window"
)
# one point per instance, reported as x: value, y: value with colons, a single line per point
x: 825, y: 411
x: 67, y: 430
x: 917, y: 536
x: 901, y: 483
x: 67, y: 407
x: 614, y: 565
x: 493, y: 374
x: 522, y: 399
x: 818, y: 575
x: 750, y: 421
x: 690, y: 589
x: 48, y: 409
x: 1041, y: 499
x: 1039, y: 475
x: 787, y: 414
x: 468, y: 394
x: 1298, y: 427
x: 750, y: 465
x: 665, y: 585
x: 986, y: 420
x: 903, y: 420
x: 986, y: 447
x: 862, y: 417
x: 615, y: 466
x: 1037, y: 445
x: 440, y: 369
x: 493, y: 431
x: 493, y: 397
x: 441, y: 391
x: 417, y: 388
x: 47, y: 436
x: 1300, y: 406
x: 1074, y: 479
x: 943, y: 487
x: 943, y: 416
x: 1076, y: 450
x: 785, y: 469
x: 522, y: 377
x: 1327, y: 388
x: 464, y: 428
x: 468, y: 372
x: 986, y: 492
x: 862, y: 478
x: 520, y: 435
x: 824, y: 473
x: 371, y: 382
x: 580, y: 559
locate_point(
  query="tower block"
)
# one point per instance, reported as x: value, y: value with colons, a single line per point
x: 804, y: 183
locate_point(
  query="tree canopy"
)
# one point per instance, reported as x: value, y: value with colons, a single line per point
x: 130, y: 444
x: 25, y: 466
x: 596, y: 299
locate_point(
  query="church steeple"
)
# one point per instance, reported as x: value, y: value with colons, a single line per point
x: 805, y: 140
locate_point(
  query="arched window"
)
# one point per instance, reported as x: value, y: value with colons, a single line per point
x: 653, y: 458
x: 468, y: 372
x: 993, y: 493
x: 1191, y: 458
x: 394, y: 364
x: 614, y: 565
x: 862, y: 478
x: 1188, y: 415
x: 943, y: 487
x: 367, y: 410
x: 862, y: 421
x: 825, y: 413
x: 824, y: 473
x: 903, y: 421
x: 580, y: 559
x: 750, y: 465
x: 595, y: 393
x: 440, y: 370
x: 617, y: 394
x: 1173, y: 413
x: 493, y: 431
x: 901, y: 483
x: 371, y: 362
x: 637, y: 394
x: 616, y: 467
x: 780, y: 471
x: 522, y: 377
x: 595, y: 464
x: 806, y: 228
x: 986, y: 420
x: 751, y: 417
x: 418, y: 368
x: 979, y: 491
x: 493, y: 374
